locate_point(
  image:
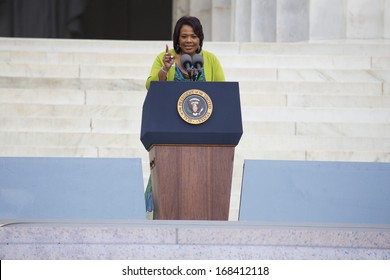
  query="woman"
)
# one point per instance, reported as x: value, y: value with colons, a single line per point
x: 187, y: 39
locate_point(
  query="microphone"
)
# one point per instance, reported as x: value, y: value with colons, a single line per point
x: 186, y: 62
x: 197, y: 61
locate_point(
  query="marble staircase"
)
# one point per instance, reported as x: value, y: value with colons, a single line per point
x: 318, y: 100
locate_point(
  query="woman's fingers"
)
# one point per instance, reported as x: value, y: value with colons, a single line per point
x: 168, y: 58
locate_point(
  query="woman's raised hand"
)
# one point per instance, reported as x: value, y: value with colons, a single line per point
x: 168, y: 59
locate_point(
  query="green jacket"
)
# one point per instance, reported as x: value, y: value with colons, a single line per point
x: 212, y: 68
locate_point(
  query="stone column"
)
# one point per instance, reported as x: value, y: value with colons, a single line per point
x: 199, y: 8
x: 365, y: 19
x: 263, y: 25
x: 293, y: 20
x: 328, y: 19
x: 179, y: 8
x: 386, y: 32
x: 221, y: 20
x: 202, y: 10
x: 242, y: 20
x: 288, y: 20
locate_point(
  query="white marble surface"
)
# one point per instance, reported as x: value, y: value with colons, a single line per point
x: 296, y: 20
x: 193, y: 240
x: 312, y: 88
x: 41, y: 96
x: 264, y: 23
x: 293, y: 20
x: 221, y: 20
x: 365, y: 19
x: 297, y: 61
x: 242, y: 20
x: 328, y: 19
x: 387, y: 19
x: 355, y: 47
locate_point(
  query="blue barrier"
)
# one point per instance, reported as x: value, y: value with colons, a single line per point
x: 315, y: 192
x: 71, y: 189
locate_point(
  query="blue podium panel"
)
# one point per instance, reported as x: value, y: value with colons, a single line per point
x: 71, y: 189
x: 315, y: 192
x: 162, y: 124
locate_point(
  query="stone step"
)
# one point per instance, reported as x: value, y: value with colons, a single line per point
x: 48, y: 151
x: 41, y: 70
x: 325, y: 75
x: 28, y: 124
x: 239, y: 73
x: 71, y: 111
x: 330, y: 129
x: 306, y: 75
x: 312, y: 101
x: 123, y: 126
x: 360, y: 156
x: 258, y: 127
x: 328, y: 47
x: 249, y: 113
x: 265, y: 87
x: 302, y: 62
x: 42, y: 96
x: 73, y: 83
x: 317, y: 115
x: 77, y: 57
x: 71, y: 97
x: 69, y: 125
x: 74, y: 71
x: 29, y: 62
x: 136, y: 99
x: 41, y: 139
x: 316, y: 88
x: 315, y: 143
x: 338, y: 101
x: 335, y: 47
x: 323, y: 155
x: 85, y: 46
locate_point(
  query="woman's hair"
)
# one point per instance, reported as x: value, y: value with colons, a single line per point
x: 194, y: 22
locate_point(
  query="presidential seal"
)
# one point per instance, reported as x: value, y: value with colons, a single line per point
x: 195, y: 106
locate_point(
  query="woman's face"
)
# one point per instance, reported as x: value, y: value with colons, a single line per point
x: 188, y: 40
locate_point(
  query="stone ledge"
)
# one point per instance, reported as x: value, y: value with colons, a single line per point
x: 192, y: 240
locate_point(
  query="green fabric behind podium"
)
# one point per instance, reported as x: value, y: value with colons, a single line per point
x: 71, y: 189
x: 315, y: 192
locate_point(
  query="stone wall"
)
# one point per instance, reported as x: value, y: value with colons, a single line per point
x: 288, y: 20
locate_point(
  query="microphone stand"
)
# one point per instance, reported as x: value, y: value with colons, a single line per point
x: 198, y: 73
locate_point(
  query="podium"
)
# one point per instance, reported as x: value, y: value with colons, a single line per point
x: 191, y: 130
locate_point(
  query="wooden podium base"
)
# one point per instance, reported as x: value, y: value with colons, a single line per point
x: 191, y: 182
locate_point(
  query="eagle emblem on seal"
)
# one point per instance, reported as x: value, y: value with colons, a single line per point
x: 195, y: 106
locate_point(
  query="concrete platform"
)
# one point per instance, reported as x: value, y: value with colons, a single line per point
x: 187, y: 240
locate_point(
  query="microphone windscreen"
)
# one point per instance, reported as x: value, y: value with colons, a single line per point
x: 186, y: 62
x: 197, y: 61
